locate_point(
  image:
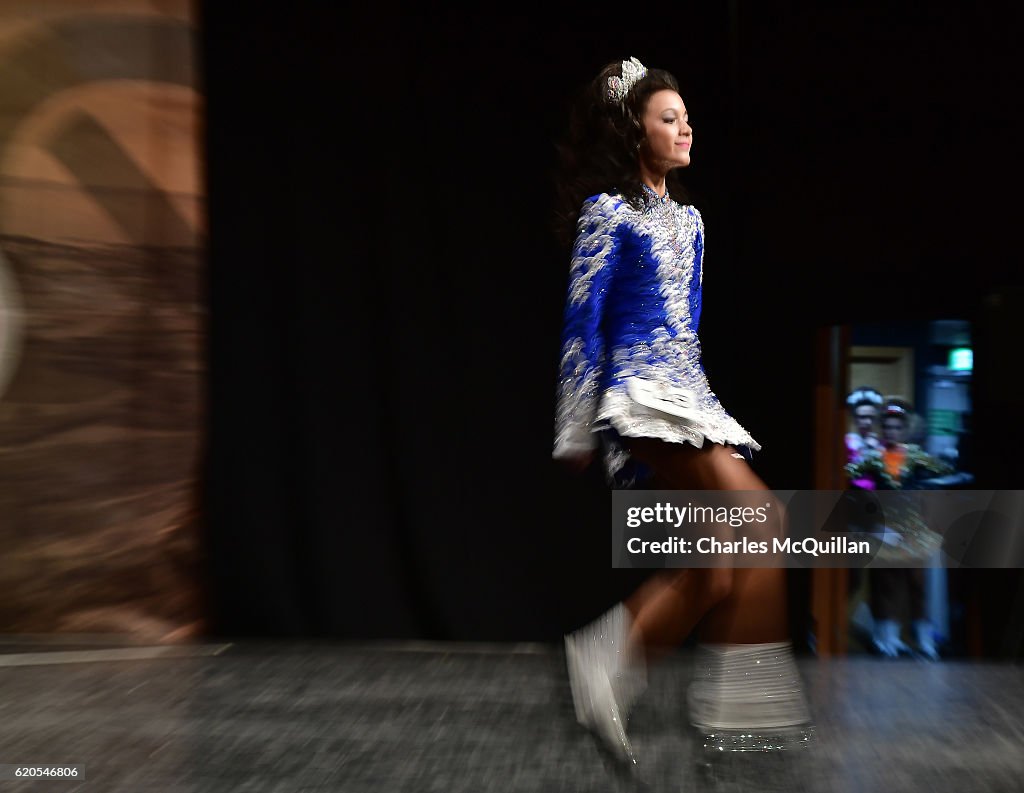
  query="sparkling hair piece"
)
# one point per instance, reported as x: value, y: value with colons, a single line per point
x: 619, y: 87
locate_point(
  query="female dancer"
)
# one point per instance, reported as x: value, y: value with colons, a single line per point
x: 864, y: 404
x: 898, y: 465
x: 630, y: 331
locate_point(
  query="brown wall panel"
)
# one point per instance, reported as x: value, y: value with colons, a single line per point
x: 101, y: 319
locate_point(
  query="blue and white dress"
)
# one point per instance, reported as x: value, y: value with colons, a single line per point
x: 632, y: 312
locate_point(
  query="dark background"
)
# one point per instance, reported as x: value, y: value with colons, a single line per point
x: 386, y: 298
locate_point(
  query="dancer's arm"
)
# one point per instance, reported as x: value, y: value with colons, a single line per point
x: 594, y: 259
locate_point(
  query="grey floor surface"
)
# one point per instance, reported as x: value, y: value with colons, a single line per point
x: 429, y: 717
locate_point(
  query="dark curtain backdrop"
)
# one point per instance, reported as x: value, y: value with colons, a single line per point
x: 386, y: 298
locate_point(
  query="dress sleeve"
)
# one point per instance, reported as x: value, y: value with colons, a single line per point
x: 698, y: 246
x: 594, y: 258
x: 697, y: 285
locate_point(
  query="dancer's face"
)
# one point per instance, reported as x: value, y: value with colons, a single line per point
x: 865, y: 418
x: 893, y: 429
x: 669, y: 135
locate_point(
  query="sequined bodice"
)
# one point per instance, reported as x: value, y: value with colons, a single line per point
x: 667, y: 218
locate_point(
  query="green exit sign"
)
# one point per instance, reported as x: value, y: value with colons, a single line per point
x: 961, y: 359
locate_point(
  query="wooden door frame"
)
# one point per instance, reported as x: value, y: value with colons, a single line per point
x: 829, y: 596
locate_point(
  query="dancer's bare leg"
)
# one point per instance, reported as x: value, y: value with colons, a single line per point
x: 755, y: 611
x: 741, y: 606
x: 667, y: 607
x: 607, y: 660
x: 747, y: 692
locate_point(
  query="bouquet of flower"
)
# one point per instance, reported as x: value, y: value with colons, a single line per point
x: 905, y: 534
x: 870, y: 471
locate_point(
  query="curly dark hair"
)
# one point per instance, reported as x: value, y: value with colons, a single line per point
x: 600, y: 152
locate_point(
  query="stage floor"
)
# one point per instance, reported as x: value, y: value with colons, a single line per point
x: 461, y: 717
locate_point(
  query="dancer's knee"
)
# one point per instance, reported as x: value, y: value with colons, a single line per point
x: 709, y: 586
x: 718, y: 584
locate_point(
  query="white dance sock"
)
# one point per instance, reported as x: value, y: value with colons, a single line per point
x: 601, y: 662
x: 749, y: 689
